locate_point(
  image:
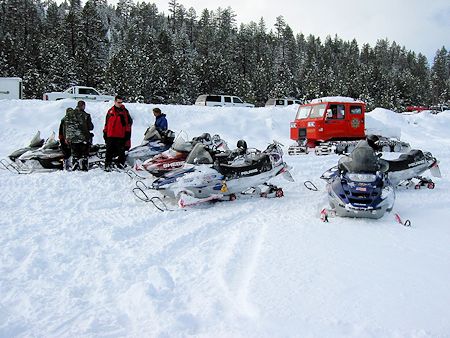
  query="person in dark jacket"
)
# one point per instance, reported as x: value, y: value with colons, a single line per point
x: 63, y: 144
x: 117, y: 133
x: 160, y: 120
x: 75, y: 137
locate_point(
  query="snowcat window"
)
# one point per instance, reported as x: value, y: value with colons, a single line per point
x: 199, y: 155
x: 237, y: 100
x: 303, y: 112
x: 338, y: 111
x: 318, y: 110
x: 280, y: 103
x: 227, y: 99
x: 290, y: 102
x: 356, y: 110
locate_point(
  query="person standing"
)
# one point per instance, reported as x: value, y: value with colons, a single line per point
x: 117, y: 133
x: 75, y: 134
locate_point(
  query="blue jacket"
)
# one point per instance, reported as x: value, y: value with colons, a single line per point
x: 161, y: 123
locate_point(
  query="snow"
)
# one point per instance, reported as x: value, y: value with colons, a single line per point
x: 335, y: 99
x: 81, y: 256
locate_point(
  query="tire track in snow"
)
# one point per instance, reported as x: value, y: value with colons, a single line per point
x: 192, y: 239
x: 237, y: 266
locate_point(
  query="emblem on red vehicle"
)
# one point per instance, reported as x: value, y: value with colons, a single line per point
x: 355, y: 123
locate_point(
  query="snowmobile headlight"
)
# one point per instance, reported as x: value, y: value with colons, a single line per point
x: 311, y: 124
x: 362, y: 177
x: 293, y: 125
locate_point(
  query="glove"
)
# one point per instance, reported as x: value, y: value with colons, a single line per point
x: 105, y: 137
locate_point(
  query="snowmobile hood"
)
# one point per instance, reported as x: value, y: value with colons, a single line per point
x: 365, y: 195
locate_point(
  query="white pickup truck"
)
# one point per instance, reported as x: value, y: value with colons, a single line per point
x: 78, y: 93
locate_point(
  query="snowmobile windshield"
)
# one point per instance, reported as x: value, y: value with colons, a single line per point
x: 36, y: 140
x: 199, y: 155
x: 181, y: 143
x: 152, y: 134
x: 363, y: 160
x: 303, y: 112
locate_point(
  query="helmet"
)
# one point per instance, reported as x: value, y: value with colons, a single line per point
x: 372, y: 140
x: 241, y: 144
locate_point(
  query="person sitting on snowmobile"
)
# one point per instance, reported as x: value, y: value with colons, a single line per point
x: 160, y: 120
x: 76, y: 134
x: 159, y: 130
x: 364, y: 157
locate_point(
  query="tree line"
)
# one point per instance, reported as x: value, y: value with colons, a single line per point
x: 134, y: 50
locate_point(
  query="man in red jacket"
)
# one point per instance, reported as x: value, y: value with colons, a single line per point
x: 117, y: 133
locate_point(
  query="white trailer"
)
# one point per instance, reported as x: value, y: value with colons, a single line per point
x: 11, y: 88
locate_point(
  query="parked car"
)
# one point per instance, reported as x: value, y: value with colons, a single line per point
x: 78, y: 93
x: 438, y: 108
x: 222, y: 101
x: 282, y: 102
x: 416, y: 108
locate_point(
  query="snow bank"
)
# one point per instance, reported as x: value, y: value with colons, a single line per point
x: 384, y: 122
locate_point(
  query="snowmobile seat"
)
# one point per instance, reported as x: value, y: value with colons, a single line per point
x: 167, y: 137
x: 246, y: 168
x: 404, y: 160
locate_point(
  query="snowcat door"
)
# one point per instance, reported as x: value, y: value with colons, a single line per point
x: 356, y: 122
x: 335, y: 126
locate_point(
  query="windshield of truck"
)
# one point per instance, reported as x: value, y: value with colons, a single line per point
x: 303, y: 112
x: 317, y: 111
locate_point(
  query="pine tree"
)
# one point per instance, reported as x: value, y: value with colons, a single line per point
x: 440, y: 77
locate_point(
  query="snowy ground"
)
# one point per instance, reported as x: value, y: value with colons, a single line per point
x: 80, y: 256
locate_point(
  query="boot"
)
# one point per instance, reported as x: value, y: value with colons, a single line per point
x: 75, y: 164
x: 84, y: 164
x: 67, y: 164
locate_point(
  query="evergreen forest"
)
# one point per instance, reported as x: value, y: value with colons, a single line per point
x: 146, y: 55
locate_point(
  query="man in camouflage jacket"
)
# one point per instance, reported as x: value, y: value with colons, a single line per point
x: 75, y: 133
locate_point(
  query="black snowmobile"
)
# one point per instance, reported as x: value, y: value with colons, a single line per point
x: 406, y: 170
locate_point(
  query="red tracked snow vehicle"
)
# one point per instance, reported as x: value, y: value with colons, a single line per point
x: 333, y: 124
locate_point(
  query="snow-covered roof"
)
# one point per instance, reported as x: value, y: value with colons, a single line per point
x: 335, y: 99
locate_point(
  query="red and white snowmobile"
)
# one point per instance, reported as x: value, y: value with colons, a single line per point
x: 175, y: 157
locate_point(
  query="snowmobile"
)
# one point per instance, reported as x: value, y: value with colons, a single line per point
x: 154, y: 143
x: 12, y: 164
x: 175, y: 157
x: 406, y: 170
x: 35, y: 143
x: 210, y: 176
x: 359, y: 187
x: 49, y: 157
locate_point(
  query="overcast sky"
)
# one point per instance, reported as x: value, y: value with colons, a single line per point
x: 419, y: 25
